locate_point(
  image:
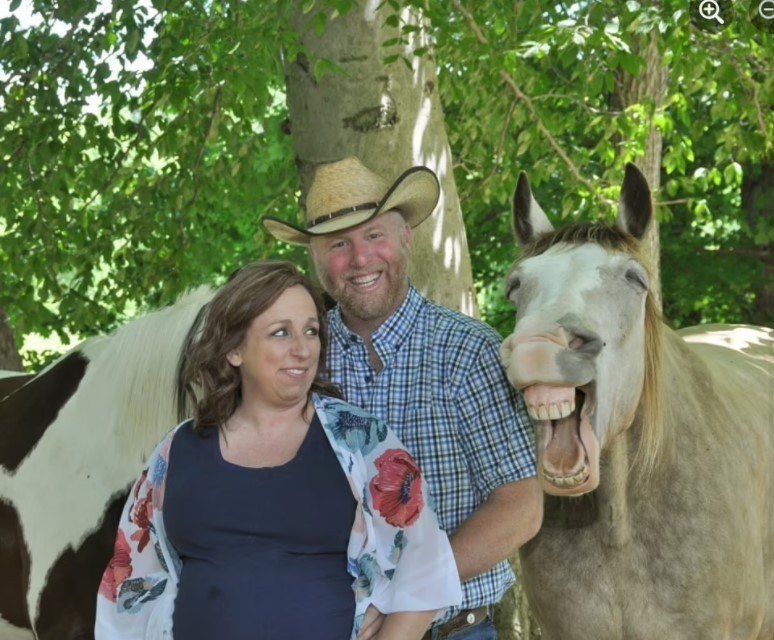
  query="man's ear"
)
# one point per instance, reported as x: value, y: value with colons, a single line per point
x: 409, y: 236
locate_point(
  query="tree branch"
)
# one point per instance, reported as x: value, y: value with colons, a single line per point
x: 520, y: 95
x: 669, y: 203
x: 471, y: 22
x: 551, y: 140
x: 208, y: 134
x: 498, y: 153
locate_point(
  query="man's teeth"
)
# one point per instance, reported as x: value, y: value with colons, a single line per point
x: 363, y: 281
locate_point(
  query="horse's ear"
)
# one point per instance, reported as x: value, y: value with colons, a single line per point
x: 635, y: 210
x: 528, y: 218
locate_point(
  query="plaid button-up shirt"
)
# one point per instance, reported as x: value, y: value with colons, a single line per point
x: 444, y: 392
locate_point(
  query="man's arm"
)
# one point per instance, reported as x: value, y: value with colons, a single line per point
x: 511, y: 516
x: 405, y: 624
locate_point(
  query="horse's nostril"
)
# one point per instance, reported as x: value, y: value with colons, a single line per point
x: 587, y: 343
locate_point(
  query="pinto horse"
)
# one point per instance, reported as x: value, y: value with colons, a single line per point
x: 654, y: 447
x: 72, y: 440
x: 10, y: 381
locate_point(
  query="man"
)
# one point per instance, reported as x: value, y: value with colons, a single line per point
x: 432, y: 373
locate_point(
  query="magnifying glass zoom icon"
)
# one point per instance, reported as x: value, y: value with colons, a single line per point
x: 710, y: 10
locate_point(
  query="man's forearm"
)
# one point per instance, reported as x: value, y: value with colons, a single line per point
x: 405, y: 625
x: 511, y: 516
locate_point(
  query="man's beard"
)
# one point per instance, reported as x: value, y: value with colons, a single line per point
x: 369, y: 306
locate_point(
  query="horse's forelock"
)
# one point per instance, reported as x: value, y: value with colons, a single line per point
x: 605, y: 235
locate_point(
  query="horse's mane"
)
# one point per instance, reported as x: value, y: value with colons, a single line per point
x: 142, y: 355
x: 611, y: 238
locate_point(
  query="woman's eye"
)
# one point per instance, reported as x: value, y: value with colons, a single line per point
x: 280, y: 333
x: 312, y: 331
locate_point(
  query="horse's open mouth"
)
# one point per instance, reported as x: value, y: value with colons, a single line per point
x: 565, y: 438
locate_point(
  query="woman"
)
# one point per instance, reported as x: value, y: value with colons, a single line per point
x: 279, y: 511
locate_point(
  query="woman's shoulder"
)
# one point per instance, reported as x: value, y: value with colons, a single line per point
x: 351, y: 428
x: 337, y: 406
x: 161, y: 450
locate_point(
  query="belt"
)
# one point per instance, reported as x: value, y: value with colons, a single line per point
x: 463, y: 620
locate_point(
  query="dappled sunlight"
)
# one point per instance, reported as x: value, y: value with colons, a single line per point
x: 742, y: 338
x: 451, y: 252
x: 369, y: 10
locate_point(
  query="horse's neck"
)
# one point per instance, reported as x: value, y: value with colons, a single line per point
x: 613, y: 490
x: 607, y: 508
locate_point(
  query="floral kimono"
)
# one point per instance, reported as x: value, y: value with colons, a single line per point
x: 399, y: 557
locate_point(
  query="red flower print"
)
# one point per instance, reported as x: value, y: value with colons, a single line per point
x: 396, y: 492
x: 143, y: 479
x: 119, y: 568
x: 142, y: 514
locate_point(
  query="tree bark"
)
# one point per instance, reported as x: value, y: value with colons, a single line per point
x: 648, y: 88
x: 757, y: 199
x: 10, y: 360
x: 390, y: 117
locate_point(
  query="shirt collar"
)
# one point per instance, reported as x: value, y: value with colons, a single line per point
x: 393, y: 332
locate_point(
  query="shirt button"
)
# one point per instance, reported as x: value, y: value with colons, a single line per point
x: 471, y: 618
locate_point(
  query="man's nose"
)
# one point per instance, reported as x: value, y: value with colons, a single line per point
x: 360, y: 254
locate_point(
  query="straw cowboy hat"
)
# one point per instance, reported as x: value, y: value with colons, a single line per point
x: 345, y: 194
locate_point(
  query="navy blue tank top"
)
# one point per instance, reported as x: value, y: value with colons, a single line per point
x: 264, y: 550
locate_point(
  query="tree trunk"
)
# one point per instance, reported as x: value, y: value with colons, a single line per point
x: 390, y: 117
x: 649, y: 87
x: 512, y: 617
x: 10, y: 360
x: 757, y: 201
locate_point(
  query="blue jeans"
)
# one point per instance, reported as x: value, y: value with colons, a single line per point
x: 483, y: 631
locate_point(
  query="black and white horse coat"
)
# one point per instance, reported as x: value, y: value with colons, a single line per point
x: 72, y: 440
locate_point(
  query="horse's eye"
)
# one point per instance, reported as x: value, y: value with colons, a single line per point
x: 637, y: 279
x: 513, y: 285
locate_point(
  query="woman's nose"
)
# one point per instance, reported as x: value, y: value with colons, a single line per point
x: 300, y: 346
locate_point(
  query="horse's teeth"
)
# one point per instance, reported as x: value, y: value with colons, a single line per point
x: 574, y: 480
x: 543, y: 412
x: 553, y: 411
x: 567, y: 408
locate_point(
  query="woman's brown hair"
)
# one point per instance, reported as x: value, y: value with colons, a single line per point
x: 212, y: 384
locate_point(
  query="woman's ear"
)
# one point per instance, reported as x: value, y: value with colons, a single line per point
x: 234, y: 357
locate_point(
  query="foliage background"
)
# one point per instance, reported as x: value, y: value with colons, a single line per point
x: 141, y: 142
